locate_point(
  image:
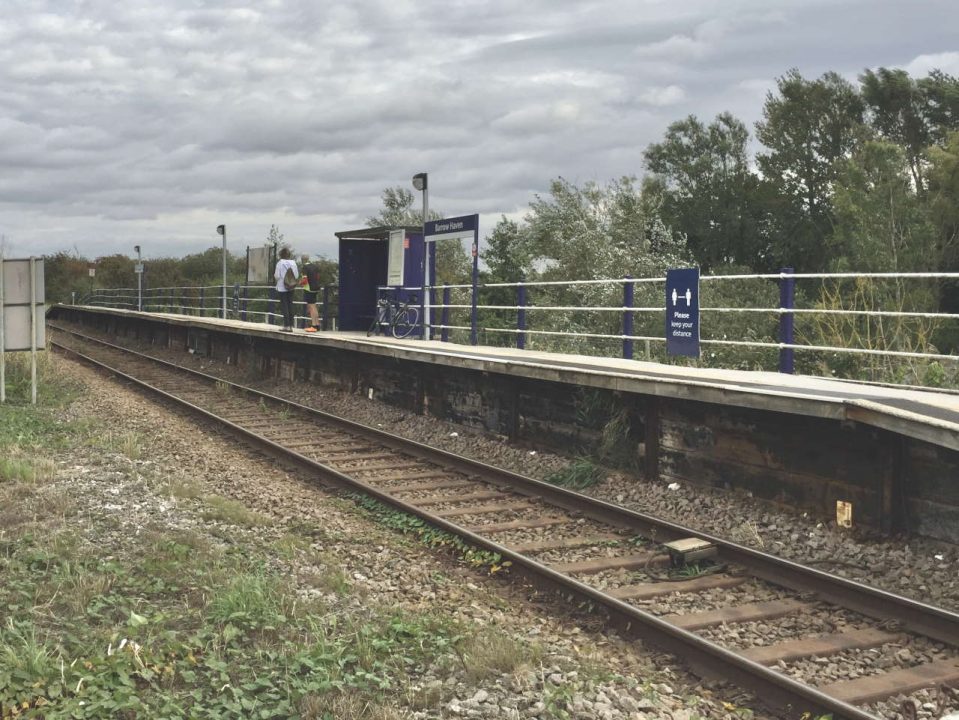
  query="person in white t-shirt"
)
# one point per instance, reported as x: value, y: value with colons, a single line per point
x: 286, y: 276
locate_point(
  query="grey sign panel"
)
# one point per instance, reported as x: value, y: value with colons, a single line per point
x: 17, y: 308
x: 16, y: 282
x: 16, y: 328
x: 258, y: 268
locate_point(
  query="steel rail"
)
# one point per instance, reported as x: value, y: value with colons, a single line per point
x: 916, y: 616
x: 771, y: 686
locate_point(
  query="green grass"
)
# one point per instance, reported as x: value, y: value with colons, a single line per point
x: 36, y: 470
x: 230, y: 511
x: 492, y: 652
x: 578, y: 475
x: 173, y: 623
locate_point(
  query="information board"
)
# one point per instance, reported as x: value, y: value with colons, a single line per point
x: 258, y: 268
x: 18, y: 308
x: 396, y: 258
x: 682, y: 312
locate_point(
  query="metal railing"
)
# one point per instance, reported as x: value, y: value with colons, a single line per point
x: 817, y: 318
x: 632, y: 310
x: 250, y: 303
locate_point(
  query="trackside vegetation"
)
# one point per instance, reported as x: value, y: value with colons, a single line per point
x: 174, y: 622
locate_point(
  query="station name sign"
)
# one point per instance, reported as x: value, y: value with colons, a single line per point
x: 458, y: 227
x: 682, y: 312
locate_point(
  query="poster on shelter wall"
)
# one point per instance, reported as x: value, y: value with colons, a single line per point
x: 394, y: 273
x: 18, y: 308
x: 258, y: 265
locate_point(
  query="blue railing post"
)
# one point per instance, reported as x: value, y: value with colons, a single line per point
x: 324, y: 316
x: 521, y: 316
x: 202, y: 312
x: 787, y: 301
x: 475, y: 292
x: 627, y: 318
x: 445, y: 318
x: 244, y: 302
x: 271, y: 307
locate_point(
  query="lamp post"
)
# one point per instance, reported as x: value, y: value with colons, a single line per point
x: 221, y: 229
x: 139, y: 269
x: 421, y: 182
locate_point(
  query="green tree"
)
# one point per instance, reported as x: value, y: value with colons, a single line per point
x: 882, y: 224
x: 912, y: 113
x: 708, y: 192
x: 506, y: 252
x: 580, y: 233
x: 944, y: 212
x: 808, y: 126
x: 162, y: 272
x: 453, y: 263
x: 206, y: 268
x: 594, y: 231
x: 115, y: 271
x: 65, y: 273
x: 398, y: 210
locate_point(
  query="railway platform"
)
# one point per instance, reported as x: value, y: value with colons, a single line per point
x: 890, y: 452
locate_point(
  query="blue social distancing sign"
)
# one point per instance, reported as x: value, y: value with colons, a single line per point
x: 682, y: 312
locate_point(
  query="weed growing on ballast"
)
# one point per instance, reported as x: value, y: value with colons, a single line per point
x: 578, y: 475
x: 432, y: 536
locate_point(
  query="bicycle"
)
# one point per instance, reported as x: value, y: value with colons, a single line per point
x: 399, y: 317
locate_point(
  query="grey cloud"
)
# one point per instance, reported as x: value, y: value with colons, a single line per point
x: 155, y: 122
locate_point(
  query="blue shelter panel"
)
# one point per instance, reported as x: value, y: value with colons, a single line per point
x: 364, y: 264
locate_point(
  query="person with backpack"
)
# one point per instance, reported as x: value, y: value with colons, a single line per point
x: 286, y: 276
x: 311, y: 285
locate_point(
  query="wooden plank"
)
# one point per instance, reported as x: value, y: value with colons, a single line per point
x: 466, y: 497
x: 434, y: 485
x: 396, y: 465
x: 352, y: 455
x: 529, y: 524
x: 643, y: 591
x: 598, y: 565
x: 422, y: 475
x: 336, y: 447
x: 906, y: 680
x: 736, y: 614
x: 790, y: 650
x: 563, y: 543
x: 485, y: 509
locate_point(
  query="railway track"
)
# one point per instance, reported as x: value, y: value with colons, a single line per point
x: 613, y: 558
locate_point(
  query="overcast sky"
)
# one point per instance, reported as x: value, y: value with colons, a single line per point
x: 150, y: 123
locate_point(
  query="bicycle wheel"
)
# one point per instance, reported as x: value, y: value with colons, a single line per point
x: 404, y: 322
x: 375, y: 327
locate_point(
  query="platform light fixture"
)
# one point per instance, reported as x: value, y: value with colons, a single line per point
x: 421, y: 183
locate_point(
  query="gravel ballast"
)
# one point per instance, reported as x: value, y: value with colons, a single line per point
x: 923, y: 569
x: 582, y: 673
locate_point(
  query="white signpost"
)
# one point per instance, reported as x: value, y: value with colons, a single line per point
x: 22, y: 294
